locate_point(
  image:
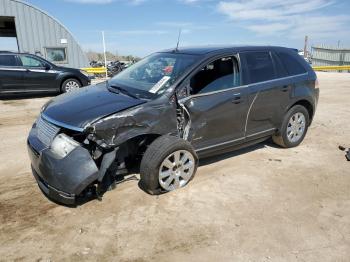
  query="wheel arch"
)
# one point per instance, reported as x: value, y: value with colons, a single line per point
x: 147, y: 137
x: 308, y: 105
x: 66, y: 77
x: 139, y: 143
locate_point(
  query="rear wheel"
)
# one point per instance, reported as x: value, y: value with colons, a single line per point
x: 294, y: 127
x: 70, y: 85
x: 169, y: 163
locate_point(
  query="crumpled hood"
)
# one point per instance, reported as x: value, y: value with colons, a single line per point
x: 86, y: 105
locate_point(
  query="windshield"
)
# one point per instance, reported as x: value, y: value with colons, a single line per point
x: 154, y: 74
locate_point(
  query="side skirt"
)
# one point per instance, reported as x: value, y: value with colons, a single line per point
x: 236, y: 144
x: 229, y: 148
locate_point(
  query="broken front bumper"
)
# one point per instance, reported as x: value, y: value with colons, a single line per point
x: 61, y: 179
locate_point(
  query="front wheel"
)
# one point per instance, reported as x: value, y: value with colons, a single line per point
x: 70, y: 85
x: 294, y: 127
x: 169, y: 163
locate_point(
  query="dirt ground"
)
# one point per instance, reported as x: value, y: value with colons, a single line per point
x: 262, y: 203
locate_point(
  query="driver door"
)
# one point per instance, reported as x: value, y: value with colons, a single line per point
x: 217, y: 105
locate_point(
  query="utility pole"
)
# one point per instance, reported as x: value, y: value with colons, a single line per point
x: 104, y: 51
x: 178, y: 40
x: 305, y: 46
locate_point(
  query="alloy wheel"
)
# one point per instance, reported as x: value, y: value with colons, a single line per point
x: 296, y: 127
x: 176, y: 170
x: 71, y: 85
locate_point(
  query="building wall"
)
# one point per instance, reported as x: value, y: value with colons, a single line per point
x: 330, y: 56
x: 37, y: 30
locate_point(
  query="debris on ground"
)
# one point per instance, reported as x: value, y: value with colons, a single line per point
x: 275, y: 159
x: 347, y: 152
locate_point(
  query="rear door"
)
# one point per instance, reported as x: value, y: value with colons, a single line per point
x: 11, y: 74
x: 268, y: 92
x: 38, y: 75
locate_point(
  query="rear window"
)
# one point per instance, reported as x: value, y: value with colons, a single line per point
x: 7, y: 60
x: 292, y: 63
x: 258, y: 67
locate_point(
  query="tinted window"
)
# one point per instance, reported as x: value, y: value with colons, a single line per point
x: 31, y: 61
x: 293, y: 66
x: 280, y: 69
x: 218, y: 75
x: 258, y: 67
x: 7, y: 60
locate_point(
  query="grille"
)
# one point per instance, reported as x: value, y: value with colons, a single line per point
x: 46, y: 131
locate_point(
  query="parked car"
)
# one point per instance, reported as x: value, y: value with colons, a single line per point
x: 167, y: 111
x: 27, y: 73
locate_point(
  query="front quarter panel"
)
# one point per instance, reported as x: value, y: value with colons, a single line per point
x: 155, y: 117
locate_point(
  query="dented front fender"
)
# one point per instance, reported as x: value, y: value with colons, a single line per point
x: 155, y: 117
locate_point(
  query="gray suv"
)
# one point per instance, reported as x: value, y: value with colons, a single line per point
x: 167, y: 111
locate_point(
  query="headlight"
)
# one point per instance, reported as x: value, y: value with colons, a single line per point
x: 84, y: 73
x: 62, y: 145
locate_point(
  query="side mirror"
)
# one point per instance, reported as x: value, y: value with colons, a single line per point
x: 47, y: 67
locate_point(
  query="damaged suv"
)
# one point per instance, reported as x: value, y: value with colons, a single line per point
x: 165, y: 112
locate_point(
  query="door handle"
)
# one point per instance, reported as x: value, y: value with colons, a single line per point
x: 237, y: 99
x: 285, y: 88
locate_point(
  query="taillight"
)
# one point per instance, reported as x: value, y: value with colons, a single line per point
x: 317, y: 85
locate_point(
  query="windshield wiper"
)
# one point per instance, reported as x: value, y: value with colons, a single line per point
x: 124, y: 91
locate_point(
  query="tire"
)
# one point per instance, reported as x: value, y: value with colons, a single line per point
x: 69, y: 85
x: 291, y: 135
x: 154, y: 170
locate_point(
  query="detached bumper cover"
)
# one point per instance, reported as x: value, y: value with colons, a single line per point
x: 61, y: 179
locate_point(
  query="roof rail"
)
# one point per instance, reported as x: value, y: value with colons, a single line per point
x: 6, y: 52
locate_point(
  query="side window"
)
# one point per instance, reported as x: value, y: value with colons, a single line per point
x: 257, y: 67
x: 280, y: 69
x: 29, y: 61
x: 8, y: 60
x: 293, y: 66
x: 220, y: 74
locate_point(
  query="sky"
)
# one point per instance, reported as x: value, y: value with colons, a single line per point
x: 140, y: 27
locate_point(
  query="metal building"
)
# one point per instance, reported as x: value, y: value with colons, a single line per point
x: 330, y: 56
x: 39, y: 33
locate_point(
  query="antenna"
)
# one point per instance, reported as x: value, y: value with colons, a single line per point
x: 178, y: 40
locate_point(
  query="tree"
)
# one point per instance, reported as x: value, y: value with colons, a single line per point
x: 96, y: 56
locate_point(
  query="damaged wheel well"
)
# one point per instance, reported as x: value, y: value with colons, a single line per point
x: 122, y: 160
x: 138, y: 145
